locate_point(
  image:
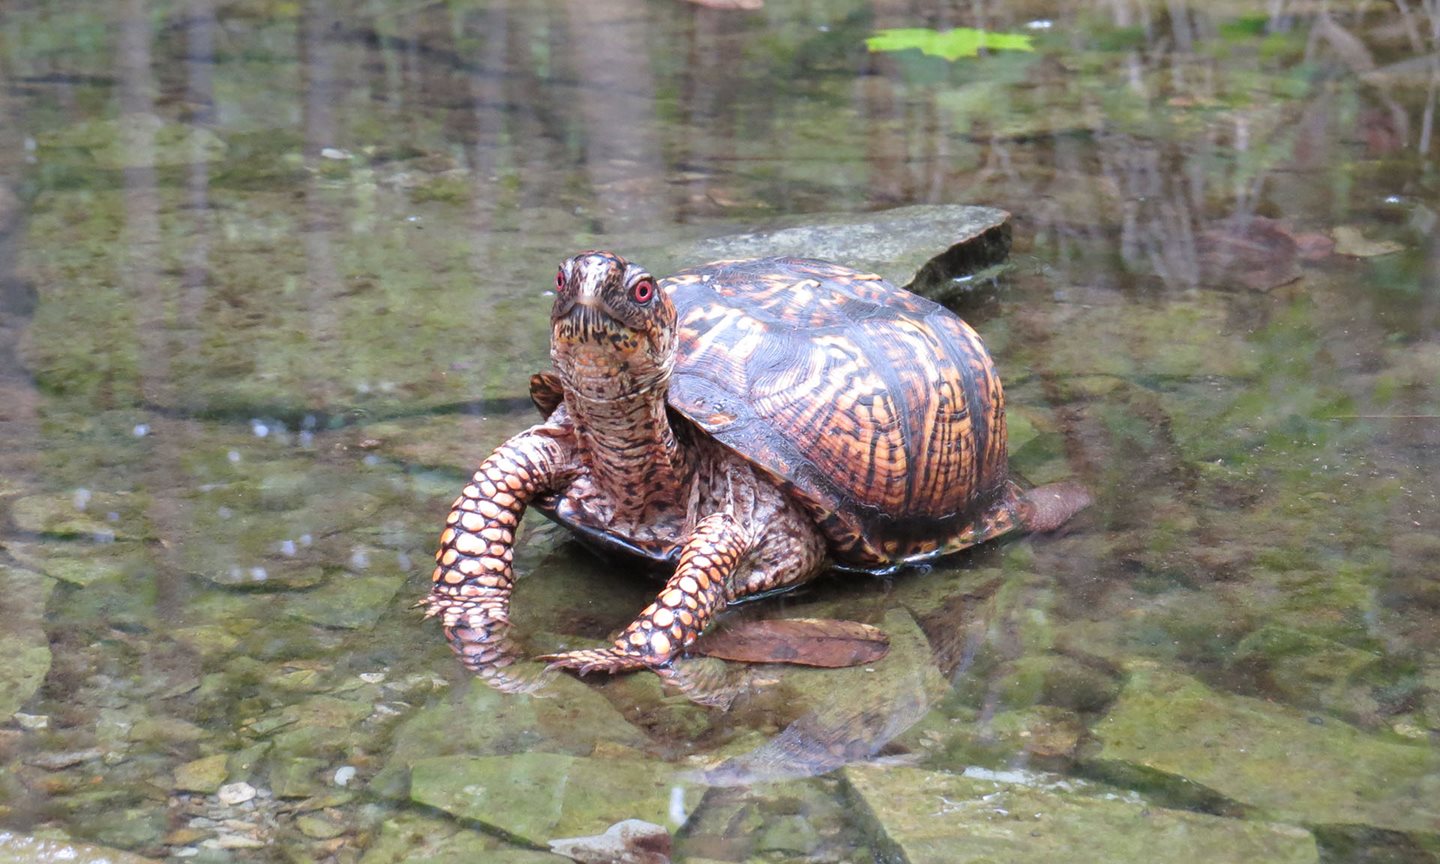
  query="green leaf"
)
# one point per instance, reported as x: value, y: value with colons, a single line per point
x: 951, y: 44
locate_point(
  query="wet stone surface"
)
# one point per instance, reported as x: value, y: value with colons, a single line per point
x: 929, y: 818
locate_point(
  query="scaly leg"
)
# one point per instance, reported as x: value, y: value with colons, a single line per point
x: 701, y: 586
x: 473, y: 576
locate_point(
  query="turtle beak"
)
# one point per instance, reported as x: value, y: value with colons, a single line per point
x: 584, y: 291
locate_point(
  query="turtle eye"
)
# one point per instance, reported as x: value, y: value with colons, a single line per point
x: 644, y: 291
x: 560, y: 278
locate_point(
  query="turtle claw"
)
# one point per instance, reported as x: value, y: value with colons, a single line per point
x: 584, y: 662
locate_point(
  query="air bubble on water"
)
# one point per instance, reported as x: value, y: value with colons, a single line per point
x: 141, y: 430
x: 287, y: 548
x: 233, y: 456
x: 259, y: 428
x: 82, y: 498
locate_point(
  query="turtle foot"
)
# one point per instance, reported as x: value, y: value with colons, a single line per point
x: 584, y: 662
x: 1046, y: 508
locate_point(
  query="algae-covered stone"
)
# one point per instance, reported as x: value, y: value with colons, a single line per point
x: 1284, y: 763
x: 28, y: 849
x: 347, y: 601
x: 297, y: 777
x: 840, y: 715
x: 23, y: 641
x: 927, y: 817
x: 1303, y: 666
x: 567, y: 717
x: 82, y: 513
x: 409, y: 837
x: 535, y: 797
x: 923, y: 247
x: 81, y: 563
x: 203, y: 775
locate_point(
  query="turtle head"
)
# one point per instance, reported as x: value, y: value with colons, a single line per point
x: 612, y: 330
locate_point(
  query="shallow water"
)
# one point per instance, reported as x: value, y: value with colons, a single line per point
x: 273, y: 277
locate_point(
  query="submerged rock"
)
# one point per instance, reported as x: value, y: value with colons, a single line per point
x: 1280, y: 761
x: 203, y: 775
x: 23, y: 641
x: 570, y: 717
x: 28, y: 849
x: 103, y: 516
x: 533, y: 797
x: 409, y: 837
x: 846, y: 714
x: 927, y: 817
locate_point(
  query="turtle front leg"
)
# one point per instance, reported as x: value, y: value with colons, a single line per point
x: 702, y: 586
x: 473, y: 578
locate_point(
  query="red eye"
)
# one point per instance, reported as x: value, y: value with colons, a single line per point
x: 560, y: 278
x: 644, y: 290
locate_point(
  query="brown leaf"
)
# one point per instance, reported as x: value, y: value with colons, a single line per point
x: 1254, y: 252
x: 824, y: 642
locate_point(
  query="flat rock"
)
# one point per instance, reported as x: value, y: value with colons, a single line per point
x: 1285, y: 763
x: 23, y: 642
x: 845, y: 714
x: 203, y: 775
x: 409, y: 837
x: 568, y: 717
x: 924, y: 247
x: 926, y: 817
x: 105, y: 516
x: 533, y: 797
x: 27, y: 849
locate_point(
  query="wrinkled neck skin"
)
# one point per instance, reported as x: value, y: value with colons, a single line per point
x: 624, y: 432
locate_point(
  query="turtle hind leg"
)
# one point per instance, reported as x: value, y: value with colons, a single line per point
x: 1046, y: 508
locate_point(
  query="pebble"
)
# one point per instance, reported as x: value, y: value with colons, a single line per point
x: 344, y: 775
x: 236, y: 793
x: 32, y: 721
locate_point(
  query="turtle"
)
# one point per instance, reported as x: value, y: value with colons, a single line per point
x: 744, y: 425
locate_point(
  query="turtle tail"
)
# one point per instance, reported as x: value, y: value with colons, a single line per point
x: 1046, y: 508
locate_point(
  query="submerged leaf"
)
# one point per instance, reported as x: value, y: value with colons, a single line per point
x: 951, y: 44
x: 805, y: 641
x: 1349, y: 241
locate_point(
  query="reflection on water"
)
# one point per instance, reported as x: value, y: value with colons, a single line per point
x: 273, y: 278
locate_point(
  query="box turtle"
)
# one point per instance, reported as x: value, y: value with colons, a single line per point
x: 746, y: 423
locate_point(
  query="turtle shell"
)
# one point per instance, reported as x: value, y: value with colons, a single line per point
x: 880, y: 411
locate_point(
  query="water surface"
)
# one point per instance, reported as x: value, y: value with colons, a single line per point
x: 273, y: 277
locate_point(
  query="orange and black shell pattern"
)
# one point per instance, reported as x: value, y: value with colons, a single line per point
x: 879, y: 410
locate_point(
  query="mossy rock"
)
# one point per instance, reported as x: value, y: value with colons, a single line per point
x: 926, y: 817
x: 536, y: 797
x: 1274, y: 759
